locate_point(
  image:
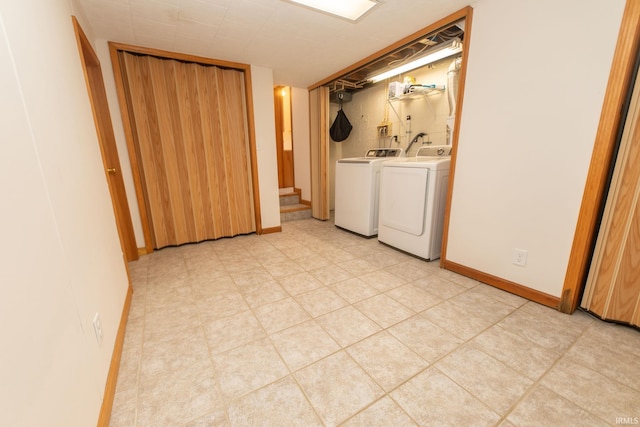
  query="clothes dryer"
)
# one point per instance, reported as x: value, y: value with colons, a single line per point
x: 413, y: 196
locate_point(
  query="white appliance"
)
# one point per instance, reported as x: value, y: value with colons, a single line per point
x: 413, y: 194
x: 357, y: 189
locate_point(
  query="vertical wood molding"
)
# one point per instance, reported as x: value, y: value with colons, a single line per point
x: 618, y: 86
x: 319, y: 141
x: 107, y: 142
x: 114, y: 368
x: 454, y: 143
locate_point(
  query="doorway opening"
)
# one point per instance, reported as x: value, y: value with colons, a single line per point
x: 284, y: 137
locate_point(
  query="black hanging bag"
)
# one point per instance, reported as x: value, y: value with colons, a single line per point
x: 341, y: 128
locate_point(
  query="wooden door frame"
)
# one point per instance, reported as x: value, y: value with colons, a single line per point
x: 129, y: 130
x: 106, y: 138
x: 611, y: 119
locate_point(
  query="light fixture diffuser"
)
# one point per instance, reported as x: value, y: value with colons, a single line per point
x: 347, y: 9
x: 434, y: 54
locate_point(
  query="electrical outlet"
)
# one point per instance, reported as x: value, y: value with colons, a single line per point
x: 97, y: 328
x: 520, y: 257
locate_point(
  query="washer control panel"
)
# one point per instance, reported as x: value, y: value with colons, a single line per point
x: 385, y: 152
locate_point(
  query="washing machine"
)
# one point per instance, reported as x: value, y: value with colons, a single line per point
x: 413, y: 196
x: 357, y: 189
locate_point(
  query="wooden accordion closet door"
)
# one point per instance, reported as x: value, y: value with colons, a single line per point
x: 191, y: 140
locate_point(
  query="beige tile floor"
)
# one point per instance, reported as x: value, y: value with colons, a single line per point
x: 317, y: 326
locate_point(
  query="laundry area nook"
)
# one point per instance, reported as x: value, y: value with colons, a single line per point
x: 400, y: 116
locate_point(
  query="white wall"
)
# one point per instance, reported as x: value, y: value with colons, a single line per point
x: 301, y: 143
x: 535, y: 83
x: 265, y: 126
x: 60, y: 261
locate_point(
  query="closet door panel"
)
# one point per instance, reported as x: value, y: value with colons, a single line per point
x: 192, y: 139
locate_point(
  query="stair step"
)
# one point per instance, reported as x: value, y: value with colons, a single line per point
x: 291, y: 212
x: 289, y: 199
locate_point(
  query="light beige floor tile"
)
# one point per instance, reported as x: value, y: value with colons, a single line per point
x: 414, y: 297
x: 499, y: 295
x: 411, y: 270
x: 543, y: 327
x: 299, y: 252
x: 167, y: 374
x: 303, y: 344
x: 354, y: 290
x: 217, y: 418
x: 272, y: 258
x: 280, y: 315
x: 248, y: 368
x: 330, y: 274
x: 163, y: 323
x: 299, y: 283
x: 358, y: 266
x: 221, y: 306
x: 177, y: 380
x: 312, y: 262
x: 320, y: 301
x: 432, y: 399
x: 337, y: 387
x: 125, y: 407
x: 206, y: 271
x: 283, y: 269
x: 251, y: 277
x: 263, y: 293
x: 457, y: 278
x: 457, y: 320
x: 162, y: 296
x: 335, y: 254
x: 593, y: 391
x: 520, y: 354
x: 382, y: 280
x: 234, y: 331
x: 494, y: 383
x: 347, y: 325
x: 439, y: 286
x: 387, y: 360
x: 238, y: 265
x: 544, y: 408
x: 383, y: 413
x: 480, y: 305
x: 618, y: 338
x: 279, y: 404
x: 213, y: 286
x: 177, y: 400
x: 425, y: 338
x: 383, y: 310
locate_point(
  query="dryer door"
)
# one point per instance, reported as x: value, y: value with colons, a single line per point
x: 403, y: 195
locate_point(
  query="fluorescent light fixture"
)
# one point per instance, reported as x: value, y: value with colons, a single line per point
x: 347, y: 9
x: 434, y: 54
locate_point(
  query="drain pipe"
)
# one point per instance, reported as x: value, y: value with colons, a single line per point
x: 453, y: 75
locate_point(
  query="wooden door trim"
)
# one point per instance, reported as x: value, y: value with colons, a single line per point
x: 114, y: 48
x: 620, y: 80
x: 103, y: 124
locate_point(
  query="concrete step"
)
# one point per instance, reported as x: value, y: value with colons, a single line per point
x: 289, y: 199
x: 292, y: 212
